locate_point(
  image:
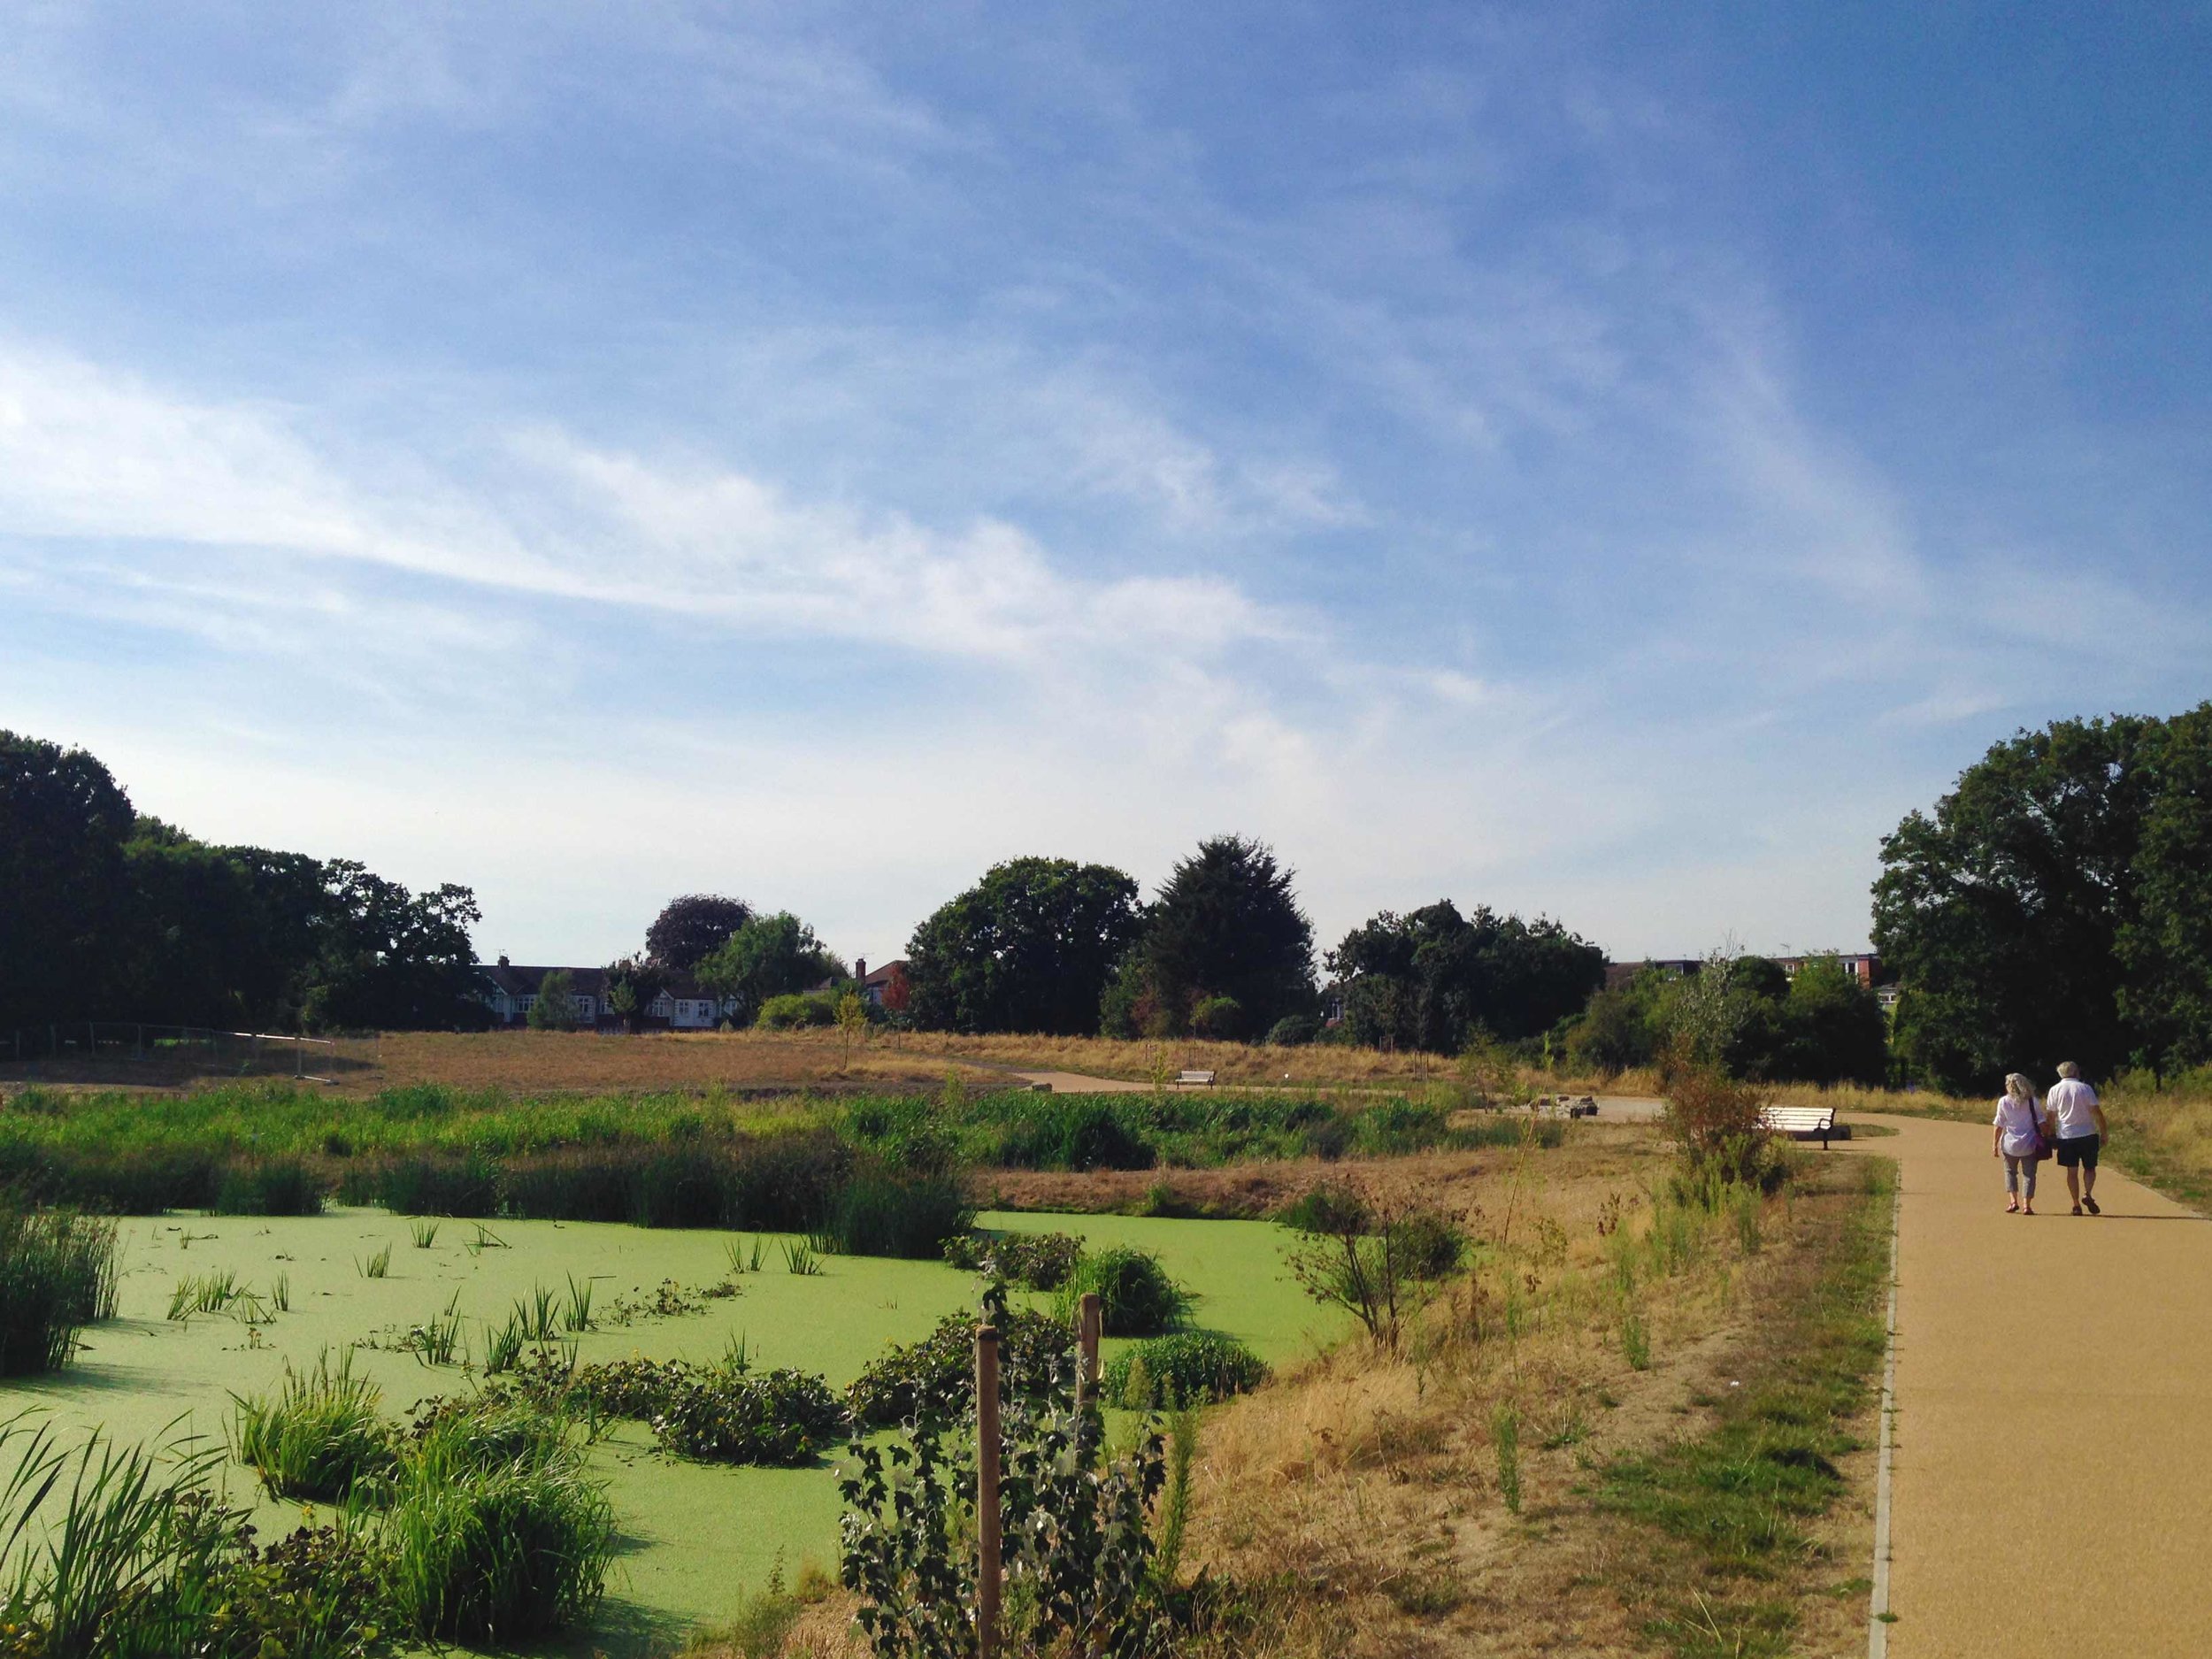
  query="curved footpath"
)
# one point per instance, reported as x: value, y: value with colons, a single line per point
x: 2052, y: 1483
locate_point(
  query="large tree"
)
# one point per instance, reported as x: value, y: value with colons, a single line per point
x: 770, y: 955
x: 1431, y: 978
x: 2053, y: 906
x: 63, y: 824
x: 1225, y: 928
x: 690, y: 929
x: 1028, y: 948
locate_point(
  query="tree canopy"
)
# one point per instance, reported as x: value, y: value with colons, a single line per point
x: 690, y: 929
x: 107, y: 915
x: 1226, y: 926
x: 2055, y: 905
x: 1747, y: 1015
x: 767, y: 957
x: 1431, y: 978
x: 1029, y: 947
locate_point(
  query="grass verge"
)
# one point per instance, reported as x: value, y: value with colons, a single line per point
x: 1728, y: 1514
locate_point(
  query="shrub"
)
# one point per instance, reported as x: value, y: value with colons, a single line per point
x: 269, y: 1187
x: 1430, y: 1245
x: 1293, y: 1031
x: 936, y: 1376
x: 1221, y: 1018
x: 57, y: 1276
x: 882, y: 1214
x: 781, y: 1418
x: 1035, y: 1261
x: 318, y: 1437
x: 1186, y: 1368
x: 1136, y: 1297
x: 796, y: 1010
x: 1714, y: 1122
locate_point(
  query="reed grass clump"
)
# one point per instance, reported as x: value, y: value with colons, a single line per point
x: 1185, y: 1368
x: 1135, y: 1295
x: 318, y: 1436
x: 58, y: 1275
x: 496, y: 1533
x: 879, y: 1213
x: 269, y: 1187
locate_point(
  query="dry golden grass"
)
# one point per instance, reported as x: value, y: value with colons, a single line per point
x: 1366, y: 1489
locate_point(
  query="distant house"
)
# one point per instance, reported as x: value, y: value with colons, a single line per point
x: 511, y: 991
x: 886, y: 986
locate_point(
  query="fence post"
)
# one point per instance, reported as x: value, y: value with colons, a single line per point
x: 1086, y: 1324
x: 986, y: 1511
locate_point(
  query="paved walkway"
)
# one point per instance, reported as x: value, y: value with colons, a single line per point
x: 2052, y: 1477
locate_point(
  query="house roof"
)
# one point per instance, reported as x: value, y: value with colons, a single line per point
x: 882, y: 976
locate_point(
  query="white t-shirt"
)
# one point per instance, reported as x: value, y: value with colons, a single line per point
x: 2074, y: 1104
x: 2018, y: 1119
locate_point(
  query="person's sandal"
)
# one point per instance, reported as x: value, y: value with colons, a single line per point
x: 2078, y: 1209
x: 2090, y: 1204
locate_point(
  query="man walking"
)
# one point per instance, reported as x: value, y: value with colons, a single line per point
x: 2081, y: 1132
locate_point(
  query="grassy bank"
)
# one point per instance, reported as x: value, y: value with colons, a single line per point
x: 713, y: 1159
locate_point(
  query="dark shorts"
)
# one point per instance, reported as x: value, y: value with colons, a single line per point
x: 2081, y: 1150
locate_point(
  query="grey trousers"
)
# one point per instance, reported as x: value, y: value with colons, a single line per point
x: 2016, y: 1171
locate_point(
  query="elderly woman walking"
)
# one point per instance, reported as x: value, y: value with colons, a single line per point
x: 2019, y: 1132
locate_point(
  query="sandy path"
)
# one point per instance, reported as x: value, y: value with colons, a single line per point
x: 2053, y: 1480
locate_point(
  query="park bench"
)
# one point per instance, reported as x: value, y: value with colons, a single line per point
x: 1200, y: 1079
x: 1804, y: 1123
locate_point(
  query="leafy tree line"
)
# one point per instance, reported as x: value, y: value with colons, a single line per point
x: 2057, y: 904
x: 1746, y: 1015
x: 1049, y: 946
x: 106, y: 913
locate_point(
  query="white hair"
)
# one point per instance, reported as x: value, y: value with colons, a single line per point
x: 2067, y: 1068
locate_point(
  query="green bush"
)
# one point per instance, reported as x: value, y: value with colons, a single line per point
x: 57, y: 1276
x: 935, y: 1377
x: 781, y: 1418
x: 1136, y: 1297
x: 1429, y: 1245
x: 318, y: 1437
x: 1293, y: 1031
x: 1220, y: 1017
x: 1396, y: 1126
x: 1035, y: 1261
x: 796, y: 1010
x: 1185, y: 1368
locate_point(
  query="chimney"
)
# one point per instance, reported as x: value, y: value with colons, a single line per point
x: 860, y: 969
x: 503, y: 962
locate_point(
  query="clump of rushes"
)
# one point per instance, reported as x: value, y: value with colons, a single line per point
x: 57, y: 1276
x: 1505, y: 1435
x: 319, y: 1436
x: 210, y: 1292
x: 577, y: 1315
x: 496, y: 1531
x: 269, y: 1187
x: 378, y: 1266
x: 424, y: 1233
x: 800, y: 1257
x: 1136, y: 1297
x: 1186, y: 1368
x: 502, y: 1347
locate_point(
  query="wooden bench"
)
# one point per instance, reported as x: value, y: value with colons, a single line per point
x: 1804, y: 1123
x: 1196, y: 1080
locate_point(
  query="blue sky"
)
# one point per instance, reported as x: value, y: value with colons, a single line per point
x: 1606, y: 460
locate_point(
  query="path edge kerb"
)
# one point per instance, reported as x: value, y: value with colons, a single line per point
x: 1877, y: 1602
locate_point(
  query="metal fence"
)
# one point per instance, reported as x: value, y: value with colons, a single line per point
x: 104, y: 1050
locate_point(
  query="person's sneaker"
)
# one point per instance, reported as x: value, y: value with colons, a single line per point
x: 2090, y: 1204
x: 2078, y: 1209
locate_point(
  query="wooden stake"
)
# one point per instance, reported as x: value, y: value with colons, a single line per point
x: 1087, y: 1327
x: 986, y: 1507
